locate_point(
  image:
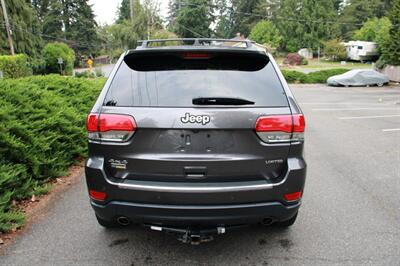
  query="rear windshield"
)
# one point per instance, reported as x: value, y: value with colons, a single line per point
x: 178, y: 88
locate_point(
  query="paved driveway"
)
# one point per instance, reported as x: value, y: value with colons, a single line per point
x: 350, y: 213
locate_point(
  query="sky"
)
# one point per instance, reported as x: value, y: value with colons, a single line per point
x: 106, y: 10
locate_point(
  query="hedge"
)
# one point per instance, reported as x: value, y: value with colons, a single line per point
x: 42, y: 133
x: 52, y: 52
x: 313, y: 77
x: 15, y: 66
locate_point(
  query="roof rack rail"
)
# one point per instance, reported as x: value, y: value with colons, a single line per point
x: 193, y: 42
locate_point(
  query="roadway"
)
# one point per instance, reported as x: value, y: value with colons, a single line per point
x: 350, y: 213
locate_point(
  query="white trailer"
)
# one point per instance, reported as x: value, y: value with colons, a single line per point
x: 361, y: 51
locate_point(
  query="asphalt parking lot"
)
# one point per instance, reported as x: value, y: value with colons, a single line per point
x: 350, y: 213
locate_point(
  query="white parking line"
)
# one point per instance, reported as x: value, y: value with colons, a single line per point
x: 367, y: 117
x: 391, y: 130
x: 353, y: 109
x: 347, y: 103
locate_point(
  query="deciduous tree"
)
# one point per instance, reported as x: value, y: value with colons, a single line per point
x: 335, y: 50
x: 375, y: 30
x: 264, y: 32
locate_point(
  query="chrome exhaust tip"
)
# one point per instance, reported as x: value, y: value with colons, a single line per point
x: 124, y: 221
x: 267, y: 221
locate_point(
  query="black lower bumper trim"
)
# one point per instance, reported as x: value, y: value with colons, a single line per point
x: 181, y: 215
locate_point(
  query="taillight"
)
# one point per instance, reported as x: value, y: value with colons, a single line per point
x: 97, y: 195
x: 281, y: 128
x: 110, y: 127
x: 293, y: 196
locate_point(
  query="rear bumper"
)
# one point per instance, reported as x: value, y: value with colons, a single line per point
x: 173, y: 204
x: 176, y: 215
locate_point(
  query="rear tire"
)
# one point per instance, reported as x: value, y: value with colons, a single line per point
x: 106, y: 223
x: 287, y: 223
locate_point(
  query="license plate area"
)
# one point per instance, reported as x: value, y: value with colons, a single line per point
x: 205, y: 141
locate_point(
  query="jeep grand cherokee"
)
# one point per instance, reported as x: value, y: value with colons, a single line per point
x: 193, y: 134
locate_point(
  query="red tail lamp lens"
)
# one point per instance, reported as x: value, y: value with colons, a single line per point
x: 293, y: 196
x: 110, y: 122
x: 110, y: 127
x: 299, y: 123
x: 280, y: 128
x: 92, y: 122
x: 196, y: 56
x: 97, y: 195
x: 282, y: 123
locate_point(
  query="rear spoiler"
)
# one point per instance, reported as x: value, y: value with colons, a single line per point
x: 193, y: 59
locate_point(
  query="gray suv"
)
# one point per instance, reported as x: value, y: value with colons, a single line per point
x: 196, y: 136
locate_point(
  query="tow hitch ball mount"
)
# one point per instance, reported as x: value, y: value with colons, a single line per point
x: 193, y: 237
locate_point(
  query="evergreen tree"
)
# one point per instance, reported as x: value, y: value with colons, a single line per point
x: 194, y: 19
x: 69, y: 8
x: 41, y: 7
x: 25, y: 28
x: 53, y: 23
x: 356, y: 12
x: 307, y: 23
x: 387, y: 5
x: 125, y: 33
x: 139, y: 24
x: 82, y: 27
x: 243, y: 15
x: 269, y: 8
x: 124, y: 11
x: 224, y: 28
x: 174, y: 7
x: 391, y: 49
x: 320, y: 22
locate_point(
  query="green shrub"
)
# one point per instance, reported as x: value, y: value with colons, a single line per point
x: 323, y: 75
x: 313, y: 77
x: 304, y: 61
x: 38, y: 65
x: 335, y: 50
x: 292, y: 76
x: 381, y: 63
x: 52, y: 52
x: 15, y: 66
x: 84, y: 74
x: 41, y: 134
x: 97, y: 73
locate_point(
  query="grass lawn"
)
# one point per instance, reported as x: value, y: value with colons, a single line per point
x: 322, y: 64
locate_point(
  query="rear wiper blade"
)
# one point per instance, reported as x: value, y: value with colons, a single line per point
x: 221, y: 101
